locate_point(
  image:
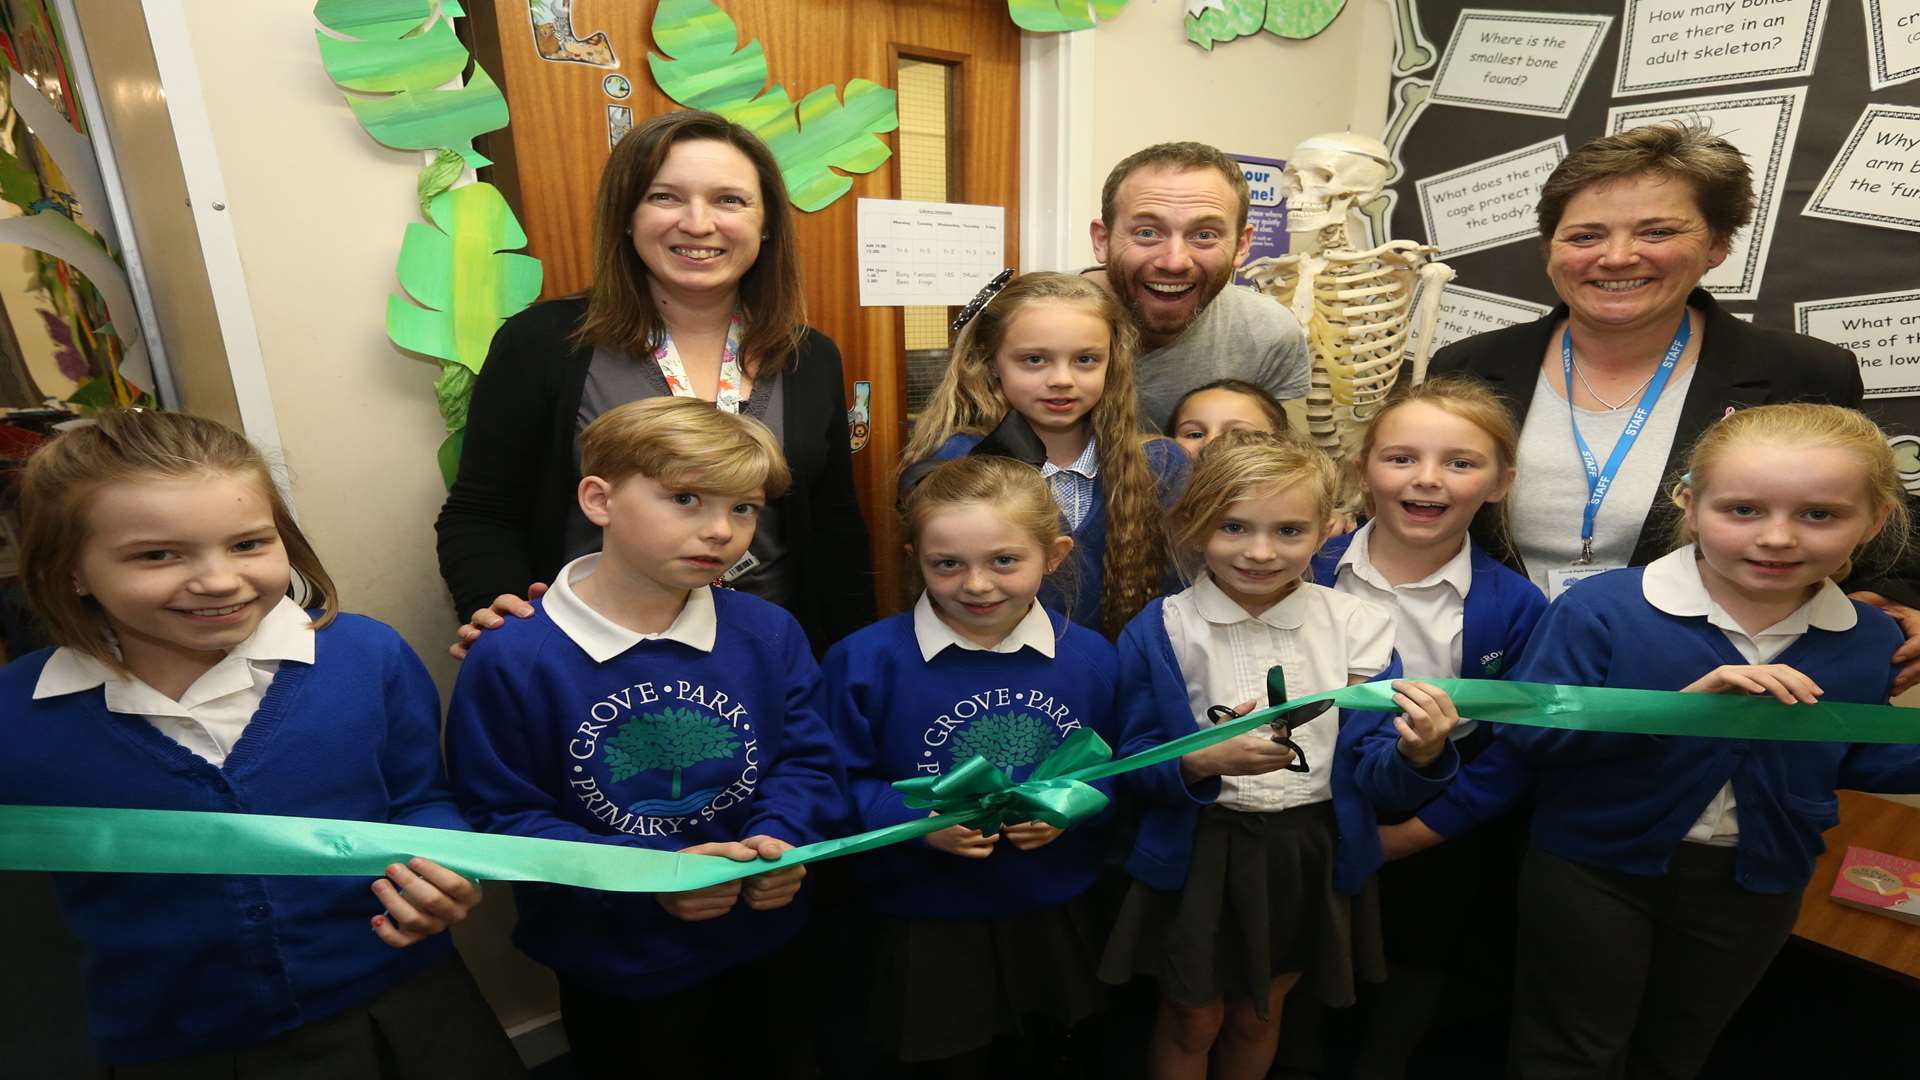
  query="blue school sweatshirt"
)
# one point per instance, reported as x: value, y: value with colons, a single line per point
x: 1625, y: 802
x: 178, y: 965
x: 1171, y: 470
x: 1369, y: 775
x: 1501, y: 610
x: 897, y: 716
x: 664, y: 747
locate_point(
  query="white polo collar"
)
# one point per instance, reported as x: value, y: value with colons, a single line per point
x: 1216, y: 606
x: 286, y: 633
x: 1033, y: 631
x: 1457, y: 571
x: 1672, y: 584
x: 602, y: 638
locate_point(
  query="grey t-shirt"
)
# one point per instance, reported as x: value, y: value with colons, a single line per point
x: 1550, y: 485
x: 1241, y: 334
x: 613, y: 379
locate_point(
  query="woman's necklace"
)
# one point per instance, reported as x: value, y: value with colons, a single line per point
x: 1611, y: 407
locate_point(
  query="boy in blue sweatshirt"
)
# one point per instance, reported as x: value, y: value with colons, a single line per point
x: 642, y: 706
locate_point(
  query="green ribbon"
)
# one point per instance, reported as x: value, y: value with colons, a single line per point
x: 976, y: 794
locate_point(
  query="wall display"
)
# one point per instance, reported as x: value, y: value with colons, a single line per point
x: 619, y: 122
x: 704, y: 67
x: 1763, y: 126
x: 860, y: 415
x: 1681, y: 45
x: 1521, y: 62
x: 1875, y: 179
x: 928, y: 253
x: 1893, y: 41
x: 1465, y: 312
x: 1882, y: 330
x: 1266, y: 207
x: 1210, y: 22
x: 554, y: 39
x: 1054, y: 16
x: 1487, y: 203
x: 462, y: 280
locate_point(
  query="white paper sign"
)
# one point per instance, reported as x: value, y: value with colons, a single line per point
x: 1761, y: 125
x: 1882, y: 330
x: 1875, y: 179
x: 1487, y: 203
x: 1519, y: 62
x: 1465, y: 312
x: 927, y: 253
x: 1893, y: 41
x: 1668, y: 45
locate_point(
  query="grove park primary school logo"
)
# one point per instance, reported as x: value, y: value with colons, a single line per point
x: 654, y: 759
x: 1009, y: 728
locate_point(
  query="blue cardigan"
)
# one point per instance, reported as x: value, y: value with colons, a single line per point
x: 1501, y: 610
x: 1171, y: 470
x: 1368, y: 772
x: 897, y: 716
x: 1625, y: 802
x: 179, y: 965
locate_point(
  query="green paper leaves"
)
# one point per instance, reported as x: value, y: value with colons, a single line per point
x: 1240, y: 18
x: 405, y: 48
x: 429, y: 119
x: 415, y: 63
x: 463, y: 275
x: 1053, y: 16
x: 705, y: 68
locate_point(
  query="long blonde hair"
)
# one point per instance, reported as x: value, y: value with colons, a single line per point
x: 1012, y: 488
x: 1804, y: 426
x: 122, y: 445
x: 969, y: 401
x: 1247, y: 465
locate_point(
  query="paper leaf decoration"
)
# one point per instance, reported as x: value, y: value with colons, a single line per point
x: 414, y: 63
x: 1054, y: 16
x: 430, y: 119
x: 463, y: 274
x: 1225, y: 20
x: 376, y: 20
x: 705, y: 67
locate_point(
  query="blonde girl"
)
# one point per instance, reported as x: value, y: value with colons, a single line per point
x: 1057, y: 351
x: 1682, y: 860
x: 159, y: 554
x: 1245, y: 874
x: 985, y: 950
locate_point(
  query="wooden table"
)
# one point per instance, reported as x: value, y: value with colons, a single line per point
x: 1865, y: 821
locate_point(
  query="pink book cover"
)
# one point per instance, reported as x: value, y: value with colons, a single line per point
x: 1878, y: 882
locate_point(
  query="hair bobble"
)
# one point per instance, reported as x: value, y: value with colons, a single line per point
x: 981, y: 299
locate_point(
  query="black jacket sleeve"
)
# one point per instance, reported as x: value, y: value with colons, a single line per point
x: 838, y: 559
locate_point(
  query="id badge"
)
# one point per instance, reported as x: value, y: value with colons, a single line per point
x: 1562, y: 578
x: 747, y: 562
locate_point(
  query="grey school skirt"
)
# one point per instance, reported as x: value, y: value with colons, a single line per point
x: 1259, y: 903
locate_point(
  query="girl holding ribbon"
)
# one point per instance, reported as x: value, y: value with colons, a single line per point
x: 1682, y: 860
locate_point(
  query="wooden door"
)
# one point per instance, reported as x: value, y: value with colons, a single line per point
x: 960, y: 132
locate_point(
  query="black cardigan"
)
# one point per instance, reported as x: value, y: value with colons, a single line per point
x: 1740, y: 365
x: 504, y: 522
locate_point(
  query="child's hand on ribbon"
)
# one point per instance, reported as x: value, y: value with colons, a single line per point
x: 1426, y: 721
x: 1031, y: 835
x: 699, y: 905
x: 1784, y: 683
x: 422, y: 899
x: 775, y: 888
x: 962, y: 841
x: 1243, y: 755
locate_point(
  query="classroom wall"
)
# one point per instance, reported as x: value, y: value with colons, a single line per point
x: 318, y: 211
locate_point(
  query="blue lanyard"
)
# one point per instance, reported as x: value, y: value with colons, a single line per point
x: 1600, y: 479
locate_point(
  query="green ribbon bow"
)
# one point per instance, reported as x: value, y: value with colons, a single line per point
x: 976, y: 794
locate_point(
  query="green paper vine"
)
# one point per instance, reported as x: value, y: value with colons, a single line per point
x: 1055, y: 16
x: 705, y: 67
x: 1297, y: 19
x: 458, y: 272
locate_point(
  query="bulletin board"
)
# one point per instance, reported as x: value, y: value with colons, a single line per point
x: 1822, y: 95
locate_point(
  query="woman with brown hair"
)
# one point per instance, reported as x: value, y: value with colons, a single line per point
x: 696, y: 293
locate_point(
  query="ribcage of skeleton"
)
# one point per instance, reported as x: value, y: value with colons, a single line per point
x: 1359, y: 328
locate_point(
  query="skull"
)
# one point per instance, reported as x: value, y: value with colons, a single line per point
x: 1328, y: 175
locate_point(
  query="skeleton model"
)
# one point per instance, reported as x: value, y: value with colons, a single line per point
x: 1356, y: 306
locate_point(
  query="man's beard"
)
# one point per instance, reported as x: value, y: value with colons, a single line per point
x: 1137, y: 309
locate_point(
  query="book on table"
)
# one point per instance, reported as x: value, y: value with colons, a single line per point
x: 1878, y: 882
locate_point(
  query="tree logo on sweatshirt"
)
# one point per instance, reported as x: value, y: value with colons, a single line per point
x: 672, y: 740
x: 1007, y: 740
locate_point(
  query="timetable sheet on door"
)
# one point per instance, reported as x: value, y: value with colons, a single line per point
x: 927, y: 252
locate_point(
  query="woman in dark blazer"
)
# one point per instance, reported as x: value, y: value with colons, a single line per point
x: 697, y: 293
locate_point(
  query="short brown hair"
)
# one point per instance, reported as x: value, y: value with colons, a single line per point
x: 1012, y: 488
x: 684, y: 442
x: 1722, y: 182
x: 620, y: 311
x: 121, y: 445
x: 1180, y: 157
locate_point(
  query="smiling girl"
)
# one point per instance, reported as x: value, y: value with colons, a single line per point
x: 1058, y: 350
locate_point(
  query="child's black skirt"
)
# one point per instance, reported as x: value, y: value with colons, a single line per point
x: 945, y: 987
x: 1259, y: 903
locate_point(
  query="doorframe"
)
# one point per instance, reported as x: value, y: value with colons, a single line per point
x: 1058, y: 193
